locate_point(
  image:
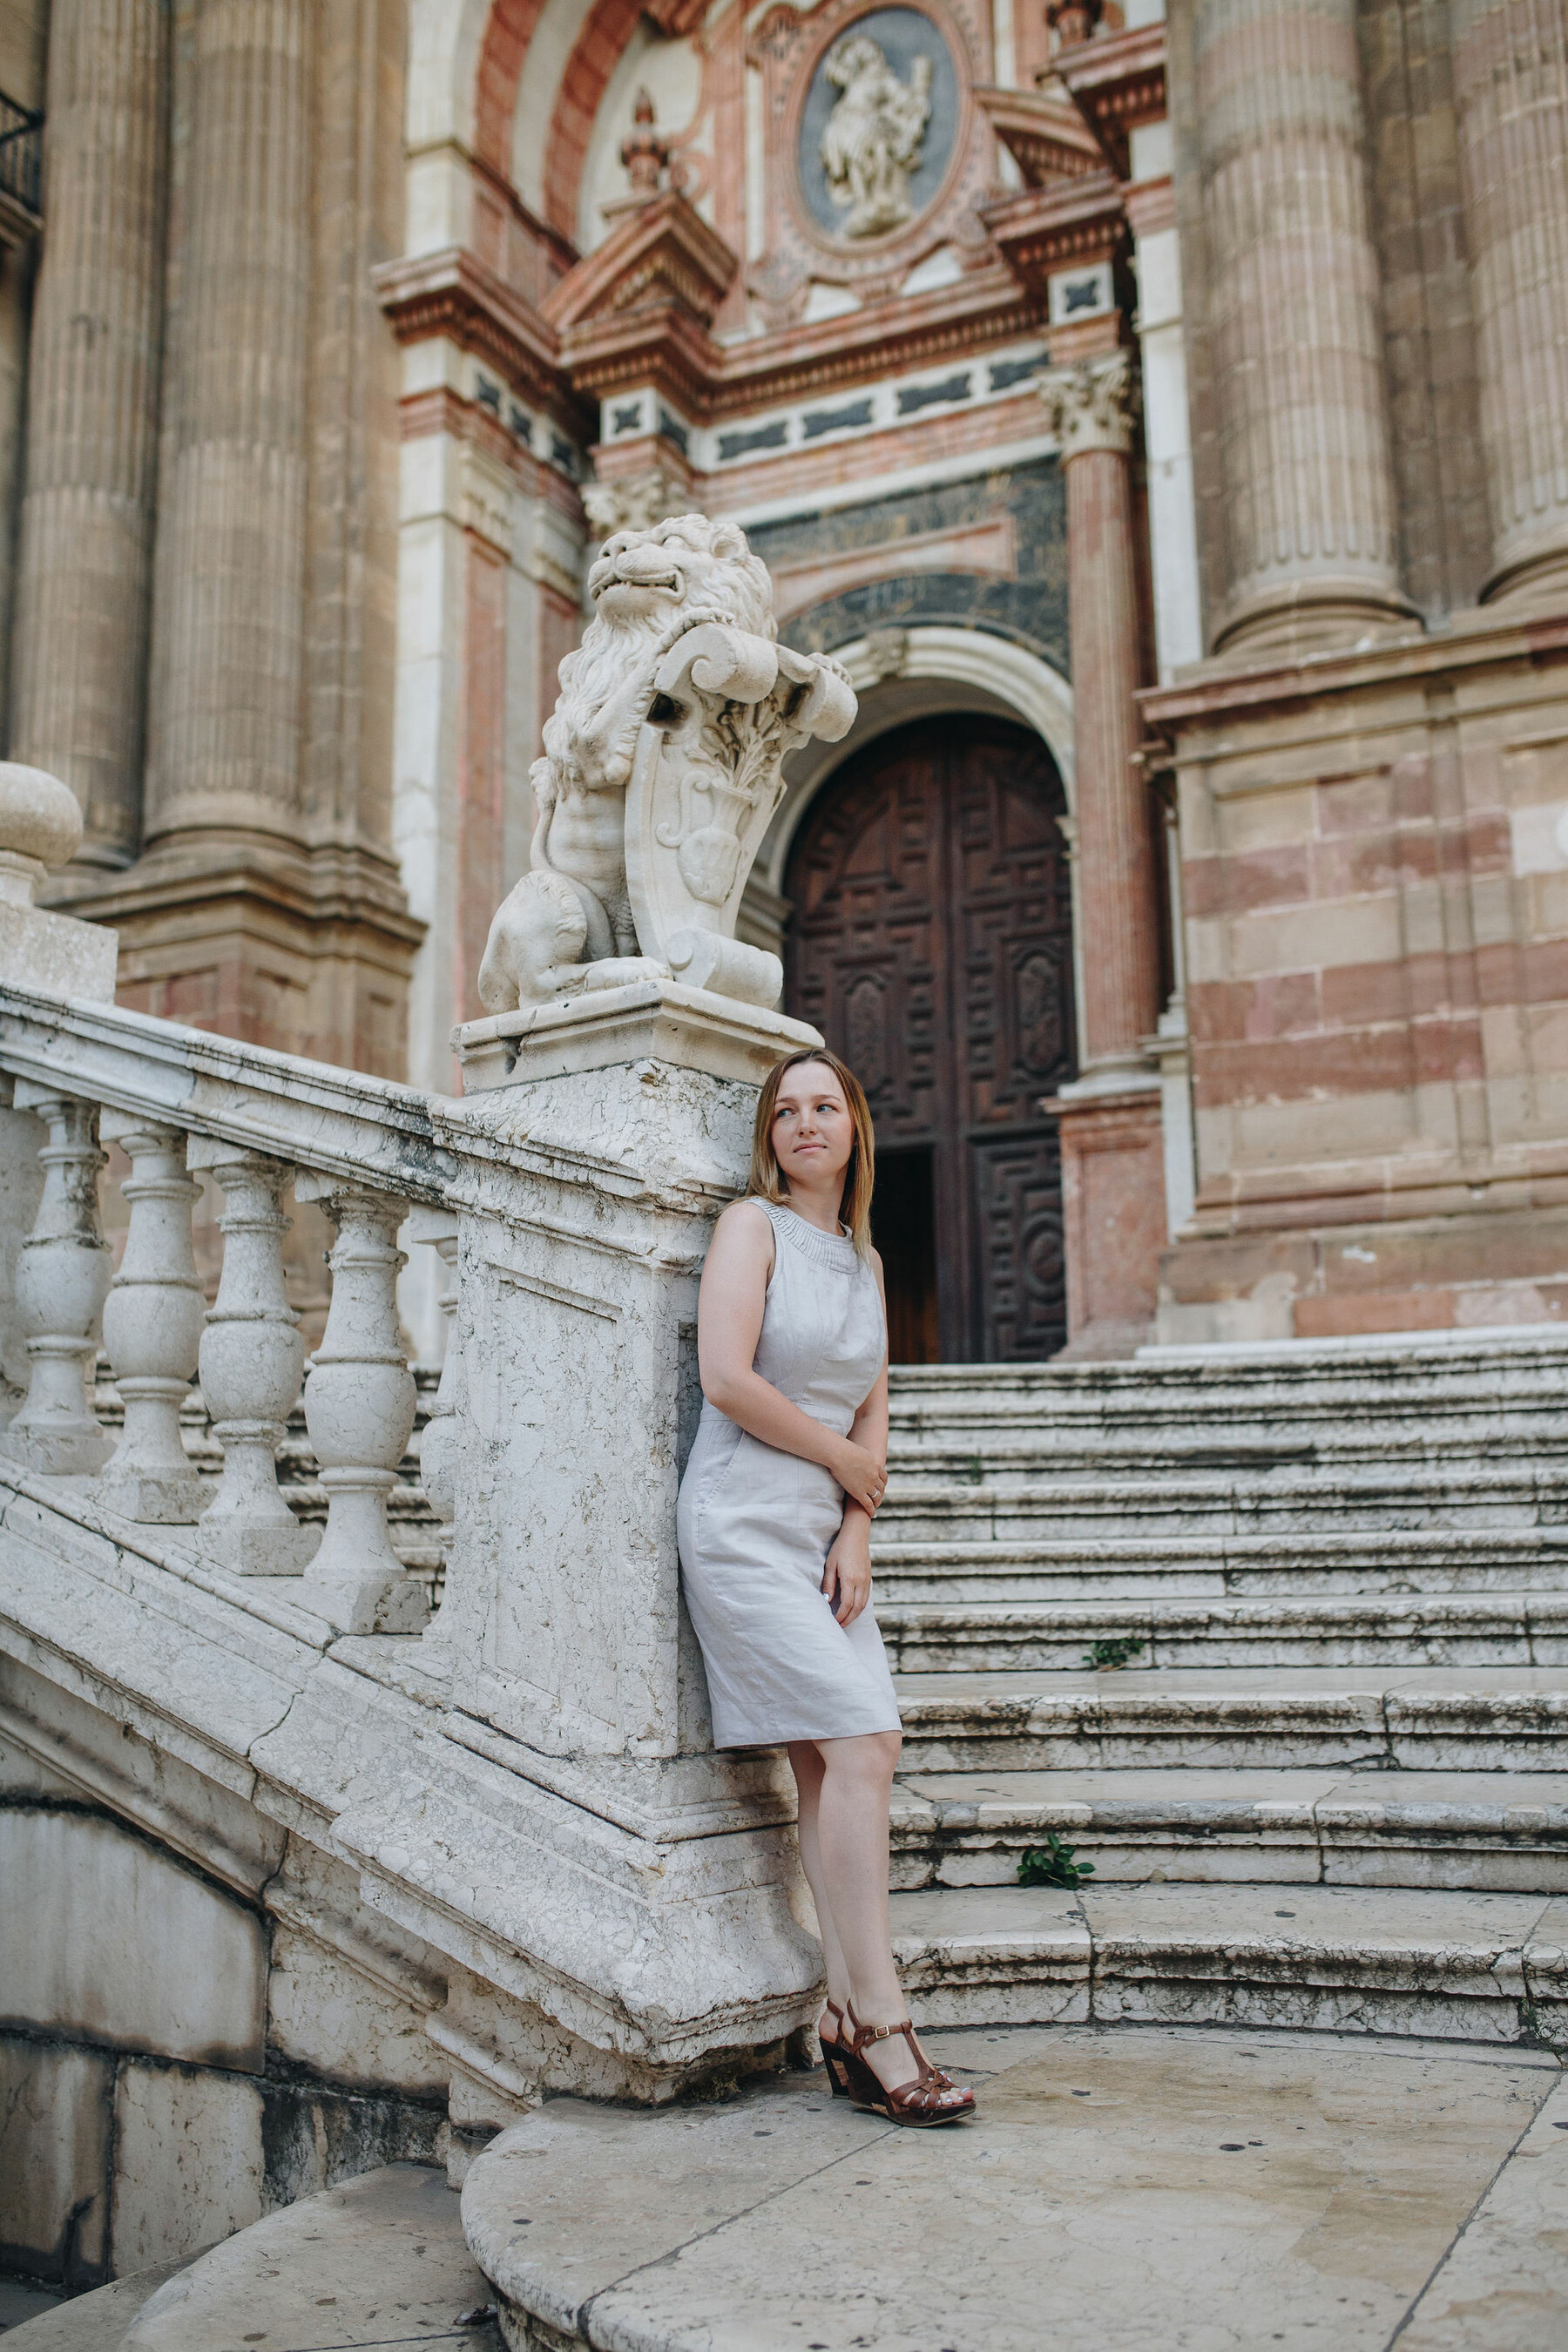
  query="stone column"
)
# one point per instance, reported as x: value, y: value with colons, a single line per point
x: 1309, y: 508
x: 1092, y: 409
x: 1511, y: 87
x: 227, y: 718
x: 1112, y: 1170
x: 80, y: 642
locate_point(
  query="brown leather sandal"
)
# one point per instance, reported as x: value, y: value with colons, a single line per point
x: 932, y: 2098
x: 833, y: 2055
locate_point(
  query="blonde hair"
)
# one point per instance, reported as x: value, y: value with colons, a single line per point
x: 769, y: 1181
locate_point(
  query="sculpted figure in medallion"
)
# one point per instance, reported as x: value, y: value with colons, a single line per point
x: 872, y: 142
x: 660, y: 771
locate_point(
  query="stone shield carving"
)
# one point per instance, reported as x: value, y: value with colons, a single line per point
x: 730, y: 709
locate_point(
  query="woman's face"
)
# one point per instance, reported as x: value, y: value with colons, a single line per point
x: 813, y: 1133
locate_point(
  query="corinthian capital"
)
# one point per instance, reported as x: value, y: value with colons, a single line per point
x: 1093, y: 405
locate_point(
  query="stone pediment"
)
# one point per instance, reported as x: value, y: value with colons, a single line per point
x: 663, y: 253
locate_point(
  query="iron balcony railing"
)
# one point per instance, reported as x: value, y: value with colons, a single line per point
x: 21, y: 156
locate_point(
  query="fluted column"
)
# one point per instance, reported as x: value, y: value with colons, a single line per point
x: 1510, y: 88
x: 80, y: 639
x: 227, y: 678
x: 1093, y: 408
x: 1309, y: 508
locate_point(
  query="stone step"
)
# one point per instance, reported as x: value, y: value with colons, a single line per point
x: 1396, y: 1960
x: 1102, y: 1568
x: 1486, y: 1386
x: 1481, y: 1832
x: 1406, y: 1498
x: 1500, y: 1629
x: 1499, y: 1719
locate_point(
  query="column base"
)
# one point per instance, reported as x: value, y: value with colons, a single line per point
x: 1113, y: 1215
x: 1314, y: 616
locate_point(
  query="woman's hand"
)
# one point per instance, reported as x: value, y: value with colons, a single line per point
x: 847, y: 1579
x: 860, y: 1474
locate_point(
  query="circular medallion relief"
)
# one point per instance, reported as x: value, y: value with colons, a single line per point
x: 877, y: 127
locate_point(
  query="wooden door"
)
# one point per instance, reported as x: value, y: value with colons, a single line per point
x: 930, y: 941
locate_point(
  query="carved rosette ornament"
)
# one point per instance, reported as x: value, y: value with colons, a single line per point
x: 1093, y: 405
x: 662, y: 768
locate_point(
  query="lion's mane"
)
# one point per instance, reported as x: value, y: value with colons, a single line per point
x: 723, y: 582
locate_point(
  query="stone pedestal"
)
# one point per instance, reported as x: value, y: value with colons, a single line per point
x: 1511, y: 87
x: 574, y: 1387
x: 1114, y: 1216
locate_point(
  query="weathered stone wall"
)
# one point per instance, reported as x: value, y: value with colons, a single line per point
x: 178, y: 2053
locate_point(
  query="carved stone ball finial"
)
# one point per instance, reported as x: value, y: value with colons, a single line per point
x: 1093, y: 405
x: 40, y: 828
x: 643, y: 154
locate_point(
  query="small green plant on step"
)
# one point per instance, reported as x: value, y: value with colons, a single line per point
x: 1052, y: 1864
x: 1117, y: 1650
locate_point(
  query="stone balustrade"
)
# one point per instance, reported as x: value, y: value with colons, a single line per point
x: 149, y: 1320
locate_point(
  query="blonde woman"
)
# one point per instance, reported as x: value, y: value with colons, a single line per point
x: 775, y: 1521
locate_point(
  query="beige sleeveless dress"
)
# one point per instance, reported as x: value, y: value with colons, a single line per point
x: 755, y: 1526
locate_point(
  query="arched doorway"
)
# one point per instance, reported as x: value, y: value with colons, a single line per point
x: 930, y: 941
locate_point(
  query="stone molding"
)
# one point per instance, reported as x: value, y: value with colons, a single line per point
x: 1094, y: 406
x: 1118, y: 83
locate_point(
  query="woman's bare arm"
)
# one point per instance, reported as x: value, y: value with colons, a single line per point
x: 846, y: 1578
x: 729, y: 1309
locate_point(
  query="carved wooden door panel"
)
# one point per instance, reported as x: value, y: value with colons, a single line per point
x: 931, y: 944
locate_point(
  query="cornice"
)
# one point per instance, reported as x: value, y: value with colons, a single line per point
x: 1117, y: 84
x: 453, y: 293
x: 1217, y: 690
x: 711, y: 380
x: 1041, y: 230
x: 1047, y: 139
x: 663, y: 343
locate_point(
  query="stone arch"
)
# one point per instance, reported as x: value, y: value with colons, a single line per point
x: 941, y: 670
x: 606, y: 28
x: 446, y: 47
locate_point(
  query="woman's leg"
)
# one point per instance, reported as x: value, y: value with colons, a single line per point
x: 805, y: 1763
x: 851, y: 1829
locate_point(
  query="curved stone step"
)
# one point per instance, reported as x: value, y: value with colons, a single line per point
x: 1516, y: 1629
x: 1483, y: 1967
x: 1496, y: 1719
x: 1479, y: 1831
x: 1086, y: 1568
x: 1134, y: 2191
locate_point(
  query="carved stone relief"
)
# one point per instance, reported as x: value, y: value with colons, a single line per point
x: 876, y: 154
x: 872, y: 144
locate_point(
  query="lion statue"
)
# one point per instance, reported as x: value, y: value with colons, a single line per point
x: 572, y: 910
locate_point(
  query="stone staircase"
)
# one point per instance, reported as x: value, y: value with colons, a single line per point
x: 1324, y: 1784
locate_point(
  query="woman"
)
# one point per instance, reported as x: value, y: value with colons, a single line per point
x: 775, y: 1524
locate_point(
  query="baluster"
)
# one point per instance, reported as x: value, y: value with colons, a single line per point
x: 61, y: 1278
x: 437, y: 1228
x: 251, y: 1358
x: 359, y: 1410
x: 152, y: 1329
